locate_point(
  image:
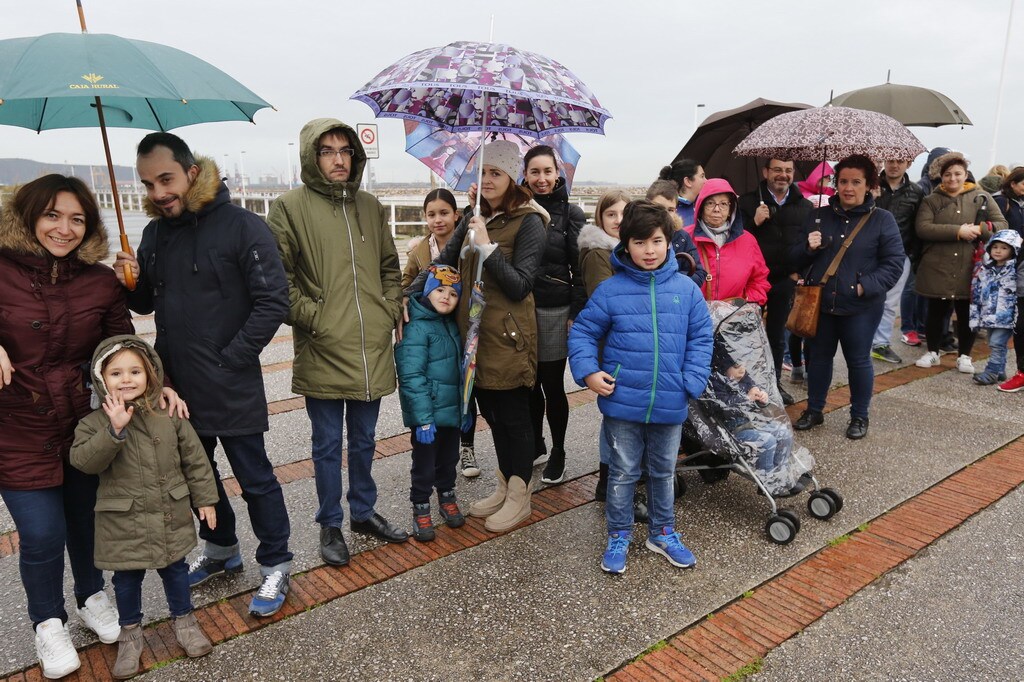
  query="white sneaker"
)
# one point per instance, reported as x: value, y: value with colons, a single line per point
x: 100, y: 616
x: 57, y: 655
x: 964, y: 364
x: 467, y: 459
x: 929, y: 359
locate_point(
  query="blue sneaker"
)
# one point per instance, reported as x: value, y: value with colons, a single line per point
x: 204, y: 568
x: 614, y: 559
x: 269, y: 599
x: 671, y: 547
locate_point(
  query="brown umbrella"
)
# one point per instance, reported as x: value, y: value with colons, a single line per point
x: 712, y: 143
x: 908, y: 104
x: 831, y: 132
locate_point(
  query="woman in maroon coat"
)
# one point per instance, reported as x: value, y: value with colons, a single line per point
x: 58, y: 303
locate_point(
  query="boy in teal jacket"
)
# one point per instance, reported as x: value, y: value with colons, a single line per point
x: 430, y: 379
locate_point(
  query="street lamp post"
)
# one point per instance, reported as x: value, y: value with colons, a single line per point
x: 696, y: 115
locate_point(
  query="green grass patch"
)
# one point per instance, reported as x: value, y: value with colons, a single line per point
x: 657, y: 646
x: 748, y: 594
x: 835, y: 542
x: 863, y: 527
x: 746, y: 671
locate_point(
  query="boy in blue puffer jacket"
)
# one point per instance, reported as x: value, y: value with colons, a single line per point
x: 994, y: 301
x: 429, y: 384
x: 657, y: 345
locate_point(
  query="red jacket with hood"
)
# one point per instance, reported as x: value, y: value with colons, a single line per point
x: 53, y: 314
x: 737, y: 269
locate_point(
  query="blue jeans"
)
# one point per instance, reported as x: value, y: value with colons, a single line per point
x: 328, y: 419
x: 629, y: 444
x: 263, y: 498
x: 771, y: 441
x: 854, y: 333
x: 893, y: 298
x: 48, y: 520
x: 913, y: 307
x: 997, y: 340
x: 128, y: 592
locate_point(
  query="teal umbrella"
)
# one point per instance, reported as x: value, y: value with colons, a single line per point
x: 84, y: 80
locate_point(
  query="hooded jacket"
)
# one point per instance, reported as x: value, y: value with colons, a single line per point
x: 151, y: 474
x: 558, y: 282
x: 429, y: 360
x: 812, y: 185
x: 874, y: 260
x: 737, y: 269
x: 947, y: 262
x: 344, y: 278
x: 994, y: 288
x: 1012, y: 209
x: 928, y: 182
x: 214, y: 280
x: 596, y: 248
x: 777, y: 235
x: 657, y: 336
x: 53, y: 312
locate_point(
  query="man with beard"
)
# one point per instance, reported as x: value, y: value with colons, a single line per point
x: 774, y: 213
x: 212, y: 274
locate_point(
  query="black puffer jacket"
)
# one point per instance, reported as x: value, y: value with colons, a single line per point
x: 777, y: 235
x: 559, y: 281
x: 903, y: 202
x: 214, y: 278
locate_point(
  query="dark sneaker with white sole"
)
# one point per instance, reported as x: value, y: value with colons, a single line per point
x: 204, y: 568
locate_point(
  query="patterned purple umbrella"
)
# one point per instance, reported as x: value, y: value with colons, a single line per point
x: 453, y: 156
x: 831, y: 132
x: 468, y: 86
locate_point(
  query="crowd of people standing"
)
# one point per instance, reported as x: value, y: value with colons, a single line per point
x: 85, y: 405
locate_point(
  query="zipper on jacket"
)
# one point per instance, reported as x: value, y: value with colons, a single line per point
x: 355, y: 284
x: 53, y: 273
x: 654, y: 322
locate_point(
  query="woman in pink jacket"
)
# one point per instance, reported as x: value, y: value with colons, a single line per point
x: 729, y: 254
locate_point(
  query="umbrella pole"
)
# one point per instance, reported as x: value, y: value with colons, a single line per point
x: 480, y: 161
x: 129, y: 279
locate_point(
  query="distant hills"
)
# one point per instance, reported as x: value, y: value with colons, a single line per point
x: 17, y: 171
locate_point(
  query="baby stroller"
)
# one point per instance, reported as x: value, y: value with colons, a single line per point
x: 739, y: 425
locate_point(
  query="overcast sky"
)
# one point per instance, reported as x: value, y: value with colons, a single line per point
x: 649, y: 63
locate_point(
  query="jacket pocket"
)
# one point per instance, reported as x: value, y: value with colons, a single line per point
x: 116, y: 525
x: 179, y: 491
x: 513, y: 333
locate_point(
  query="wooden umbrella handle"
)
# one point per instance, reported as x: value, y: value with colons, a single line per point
x: 129, y: 278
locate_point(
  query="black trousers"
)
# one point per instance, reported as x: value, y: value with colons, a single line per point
x: 937, y: 321
x: 549, y: 392
x: 780, y: 300
x: 508, y: 413
x: 434, y: 464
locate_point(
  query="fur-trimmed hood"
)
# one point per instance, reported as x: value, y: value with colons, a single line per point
x: 202, y: 192
x: 593, y: 237
x: 18, y: 238
x: 112, y: 345
x: 935, y: 167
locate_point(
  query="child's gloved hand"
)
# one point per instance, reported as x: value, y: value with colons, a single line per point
x: 467, y: 423
x: 425, y: 434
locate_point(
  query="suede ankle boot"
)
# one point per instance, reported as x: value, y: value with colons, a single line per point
x: 491, y: 503
x: 516, y: 509
x: 129, y: 650
x: 190, y: 636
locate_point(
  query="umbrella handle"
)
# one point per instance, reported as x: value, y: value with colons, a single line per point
x: 126, y: 270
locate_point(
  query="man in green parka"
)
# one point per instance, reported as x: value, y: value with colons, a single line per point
x: 344, y: 286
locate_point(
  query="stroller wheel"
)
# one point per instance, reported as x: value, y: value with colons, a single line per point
x: 822, y: 506
x: 836, y: 497
x: 780, y: 529
x: 792, y: 517
x: 679, y: 485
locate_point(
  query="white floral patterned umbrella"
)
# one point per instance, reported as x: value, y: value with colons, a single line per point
x: 831, y: 132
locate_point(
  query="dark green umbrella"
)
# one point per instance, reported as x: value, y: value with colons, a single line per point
x: 909, y: 104
x: 83, y: 80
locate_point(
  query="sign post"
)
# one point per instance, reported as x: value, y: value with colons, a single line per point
x: 367, y: 133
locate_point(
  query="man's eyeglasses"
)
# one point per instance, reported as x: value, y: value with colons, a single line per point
x: 326, y: 153
x: 718, y: 206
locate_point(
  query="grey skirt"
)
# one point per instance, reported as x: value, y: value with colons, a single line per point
x: 552, y: 334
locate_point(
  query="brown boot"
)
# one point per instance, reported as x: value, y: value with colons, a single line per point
x: 129, y: 649
x: 515, y: 510
x: 492, y: 502
x: 190, y: 636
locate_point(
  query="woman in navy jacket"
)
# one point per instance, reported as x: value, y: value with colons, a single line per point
x: 853, y: 298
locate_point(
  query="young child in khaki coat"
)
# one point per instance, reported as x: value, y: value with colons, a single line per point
x: 152, y: 470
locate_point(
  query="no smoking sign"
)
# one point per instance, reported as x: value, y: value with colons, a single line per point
x: 368, y: 136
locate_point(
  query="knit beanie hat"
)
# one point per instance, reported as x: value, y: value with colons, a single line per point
x: 442, y: 275
x: 505, y: 155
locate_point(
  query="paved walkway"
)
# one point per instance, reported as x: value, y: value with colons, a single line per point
x: 533, y: 604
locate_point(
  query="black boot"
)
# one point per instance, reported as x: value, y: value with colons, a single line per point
x: 554, y: 472
x: 602, y: 483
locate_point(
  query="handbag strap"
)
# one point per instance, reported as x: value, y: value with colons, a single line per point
x: 834, y: 265
x: 706, y: 287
